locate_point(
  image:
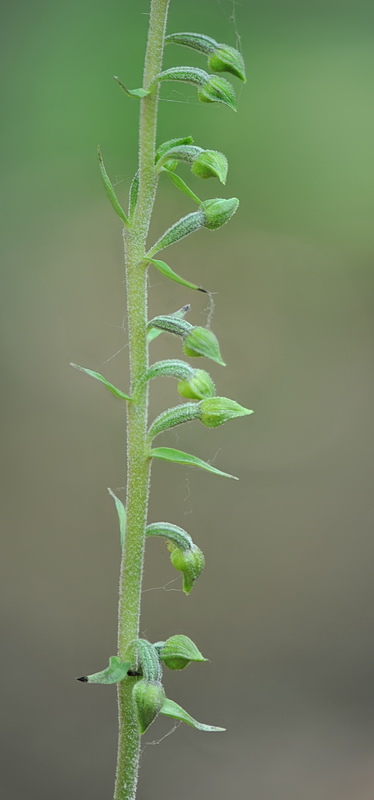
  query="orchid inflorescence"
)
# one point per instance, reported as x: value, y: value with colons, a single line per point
x: 137, y: 668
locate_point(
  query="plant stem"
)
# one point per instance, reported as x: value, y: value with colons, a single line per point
x: 138, y: 462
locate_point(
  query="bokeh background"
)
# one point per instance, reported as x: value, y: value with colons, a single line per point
x: 284, y: 609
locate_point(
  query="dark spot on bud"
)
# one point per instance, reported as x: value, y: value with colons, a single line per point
x: 84, y: 679
x: 132, y: 673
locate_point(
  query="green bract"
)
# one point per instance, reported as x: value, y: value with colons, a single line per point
x: 179, y: 457
x: 172, y: 709
x: 114, y: 673
x: 98, y: 377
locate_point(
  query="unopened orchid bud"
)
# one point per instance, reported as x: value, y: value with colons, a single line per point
x: 202, y: 342
x: 218, y: 211
x: 178, y: 652
x: 190, y: 563
x: 221, y: 57
x: 197, y: 386
x: 227, y: 59
x: 214, y: 411
x: 148, y: 697
x: 210, y: 164
x: 217, y: 90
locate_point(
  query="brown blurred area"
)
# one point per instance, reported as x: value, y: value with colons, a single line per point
x: 284, y: 608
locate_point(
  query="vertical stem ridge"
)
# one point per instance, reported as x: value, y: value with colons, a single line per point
x: 138, y: 464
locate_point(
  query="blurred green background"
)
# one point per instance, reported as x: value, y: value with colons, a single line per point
x: 284, y: 609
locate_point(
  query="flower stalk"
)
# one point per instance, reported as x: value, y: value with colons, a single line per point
x: 138, y: 462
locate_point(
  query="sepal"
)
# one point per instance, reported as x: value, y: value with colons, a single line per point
x: 148, y: 698
x: 178, y: 651
x: 218, y: 211
x: 215, y: 411
x: 199, y: 342
x: 197, y: 386
x: 210, y: 164
x: 227, y: 59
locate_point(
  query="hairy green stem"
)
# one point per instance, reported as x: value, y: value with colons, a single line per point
x: 138, y: 462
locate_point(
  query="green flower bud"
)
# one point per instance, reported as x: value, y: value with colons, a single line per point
x: 178, y: 652
x: 210, y: 164
x: 218, y: 211
x: 198, y: 386
x: 148, y: 698
x: 202, y: 342
x: 190, y: 563
x: 214, y: 411
x: 217, y: 90
x: 227, y: 59
x: 221, y: 57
